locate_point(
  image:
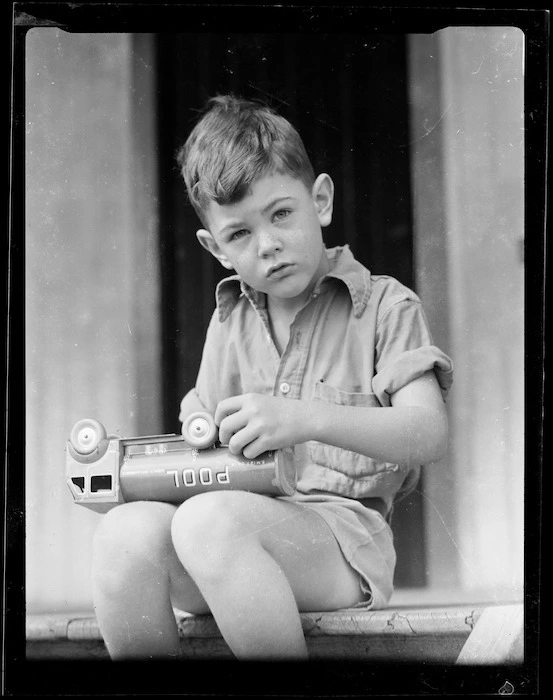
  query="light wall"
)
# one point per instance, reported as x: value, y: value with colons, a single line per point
x: 92, y: 287
x: 467, y: 143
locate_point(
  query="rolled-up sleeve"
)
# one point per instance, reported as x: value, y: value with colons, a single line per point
x: 405, y: 351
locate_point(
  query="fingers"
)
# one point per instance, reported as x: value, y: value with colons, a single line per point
x: 231, y: 426
x: 237, y: 426
x: 246, y: 442
x: 241, y: 436
x: 253, y: 449
x: 245, y: 424
x: 227, y: 407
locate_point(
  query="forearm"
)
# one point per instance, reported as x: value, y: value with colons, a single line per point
x: 399, y: 434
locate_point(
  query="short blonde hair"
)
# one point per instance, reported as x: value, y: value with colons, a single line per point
x: 235, y: 142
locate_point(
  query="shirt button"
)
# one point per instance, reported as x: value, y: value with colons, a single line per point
x: 284, y: 387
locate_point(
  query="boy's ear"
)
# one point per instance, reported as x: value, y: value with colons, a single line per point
x: 323, y: 198
x: 210, y: 244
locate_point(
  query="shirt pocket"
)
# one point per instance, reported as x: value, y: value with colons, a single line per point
x: 350, y: 463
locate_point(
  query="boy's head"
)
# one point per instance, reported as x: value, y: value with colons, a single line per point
x: 254, y: 189
x: 235, y: 142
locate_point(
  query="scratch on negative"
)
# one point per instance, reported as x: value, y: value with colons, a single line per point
x: 278, y: 99
x: 461, y: 556
x: 269, y: 94
x: 429, y: 130
x: 474, y: 72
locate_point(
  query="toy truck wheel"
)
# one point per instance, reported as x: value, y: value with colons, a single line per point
x: 86, y: 435
x: 199, y: 430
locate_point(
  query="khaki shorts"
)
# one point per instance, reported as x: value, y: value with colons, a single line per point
x: 365, y: 539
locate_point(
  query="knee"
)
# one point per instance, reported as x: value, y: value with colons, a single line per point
x: 129, y: 540
x: 207, y: 532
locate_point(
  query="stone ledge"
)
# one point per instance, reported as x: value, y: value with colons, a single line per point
x: 403, y: 633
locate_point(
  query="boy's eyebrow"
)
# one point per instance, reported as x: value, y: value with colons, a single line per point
x: 276, y: 200
x: 230, y: 227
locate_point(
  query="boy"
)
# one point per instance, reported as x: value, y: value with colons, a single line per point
x: 306, y: 352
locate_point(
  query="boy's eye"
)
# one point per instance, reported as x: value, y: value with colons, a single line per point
x: 238, y: 234
x: 281, y: 214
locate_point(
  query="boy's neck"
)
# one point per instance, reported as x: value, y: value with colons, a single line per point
x: 285, y: 309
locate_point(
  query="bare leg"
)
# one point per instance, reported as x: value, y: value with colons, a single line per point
x: 135, y: 569
x: 258, y: 561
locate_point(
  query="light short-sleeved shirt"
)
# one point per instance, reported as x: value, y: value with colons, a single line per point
x: 359, y: 339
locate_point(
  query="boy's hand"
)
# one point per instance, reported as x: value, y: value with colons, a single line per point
x: 254, y: 423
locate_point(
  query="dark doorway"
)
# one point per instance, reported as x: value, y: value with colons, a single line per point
x: 347, y: 96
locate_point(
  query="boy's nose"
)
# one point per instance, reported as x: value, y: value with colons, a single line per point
x: 268, y: 243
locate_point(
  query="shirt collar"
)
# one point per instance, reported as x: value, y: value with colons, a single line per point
x: 344, y: 267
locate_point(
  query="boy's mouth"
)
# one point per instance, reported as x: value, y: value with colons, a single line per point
x: 279, y: 270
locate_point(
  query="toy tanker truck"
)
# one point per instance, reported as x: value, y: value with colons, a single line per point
x: 103, y: 470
